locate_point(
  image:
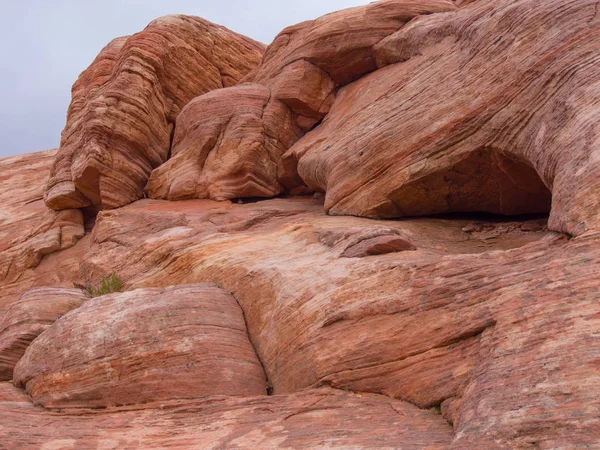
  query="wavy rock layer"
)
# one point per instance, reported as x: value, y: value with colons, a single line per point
x: 438, y: 130
x: 476, y: 306
x: 31, y: 236
x: 182, y: 342
x: 124, y: 106
x: 35, y: 311
x: 299, y: 76
x: 319, y: 418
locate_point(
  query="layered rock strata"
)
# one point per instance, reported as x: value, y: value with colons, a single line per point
x: 121, y: 118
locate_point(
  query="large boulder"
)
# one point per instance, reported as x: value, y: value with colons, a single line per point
x: 121, y: 119
x: 487, y: 109
x: 147, y: 345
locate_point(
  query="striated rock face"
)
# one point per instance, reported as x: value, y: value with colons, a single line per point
x: 319, y: 418
x: 146, y: 345
x: 296, y: 85
x: 28, y: 318
x: 31, y: 235
x: 477, y: 305
x: 124, y: 106
x: 437, y: 130
x: 301, y: 322
x: 226, y: 145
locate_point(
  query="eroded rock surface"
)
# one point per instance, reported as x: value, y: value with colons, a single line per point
x: 296, y: 84
x: 181, y: 342
x: 437, y: 130
x: 318, y: 418
x: 25, y: 320
x: 38, y: 246
x: 476, y: 304
x: 271, y: 324
x: 124, y: 106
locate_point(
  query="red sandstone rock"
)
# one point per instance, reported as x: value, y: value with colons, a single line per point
x: 439, y: 325
x: 318, y: 418
x: 206, y: 158
x: 35, y: 311
x: 124, y: 106
x: 31, y: 235
x: 486, y: 109
x: 132, y: 348
x: 299, y: 76
x: 493, y: 321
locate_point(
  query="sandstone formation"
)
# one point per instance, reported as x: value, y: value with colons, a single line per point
x: 124, y: 107
x: 437, y: 130
x: 295, y: 85
x: 35, y: 311
x: 319, y: 418
x: 299, y: 321
x: 478, y: 305
x: 31, y: 236
x: 142, y: 346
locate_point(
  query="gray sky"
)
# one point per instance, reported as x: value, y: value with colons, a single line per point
x: 45, y: 44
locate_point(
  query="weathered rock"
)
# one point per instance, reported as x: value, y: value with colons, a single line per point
x: 437, y: 130
x: 31, y: 236
x: 318, y: 418
x: 25, y: 320
x: 493, y: 321
x: 124, y: 106
x: 437, y: 325
x: 181, y: 342
x: 206, y: 158
x: 299, y: 76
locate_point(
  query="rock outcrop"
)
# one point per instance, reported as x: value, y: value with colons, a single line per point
x: 437, y: 130
x: 477, y: 304
x: 296, y: 85
x: 31, y: 235
x: 320, y: 418
x: 299, y: 321
x: 25, y: 320
x: 124, y: 107
x: 143, y: 346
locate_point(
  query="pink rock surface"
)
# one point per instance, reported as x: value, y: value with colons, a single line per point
x: 181, y: 342
x: 124, y: 106
x: 318, y: 418
x: 25, y: 320
x: 31, y: 236
x: 476, y: 304
x: 271, y: 324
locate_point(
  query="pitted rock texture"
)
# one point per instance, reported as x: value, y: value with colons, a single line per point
x: 181, y: 342
x: 436, y: 129
x: 317, y: 418
x: 296, y: 84
x: 124, y: 106
x: 35, y: 311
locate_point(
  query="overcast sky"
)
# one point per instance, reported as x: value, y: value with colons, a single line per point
x: 45, y: 44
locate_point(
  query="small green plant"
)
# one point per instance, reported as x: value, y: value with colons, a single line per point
x: 108, y: 285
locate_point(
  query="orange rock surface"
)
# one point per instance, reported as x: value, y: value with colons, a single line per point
x: 124, y: 107
x: 300, y: 321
